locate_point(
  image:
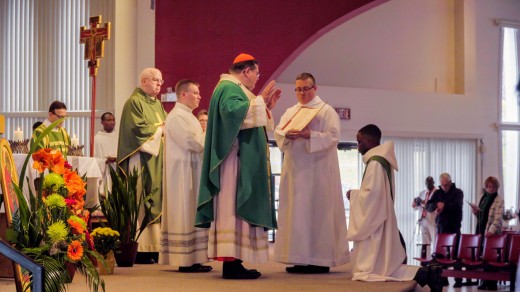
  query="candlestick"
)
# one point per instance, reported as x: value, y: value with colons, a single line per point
x: 18, y: 135
x: 74, y: 141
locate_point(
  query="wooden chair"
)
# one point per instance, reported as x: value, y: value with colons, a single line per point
x: 513, y: 253
x: 468, y: 250
x: 495, y: 248
x: 444, y: 243
x: 480, y: 268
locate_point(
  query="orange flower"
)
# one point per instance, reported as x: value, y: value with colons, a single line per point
x: 58, y: 162
x: 75, y: 250
x: 77, y: 227
x: 73, y: 181
x: 42, y: 159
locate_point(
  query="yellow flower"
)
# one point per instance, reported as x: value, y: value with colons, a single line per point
x: 55, y: 201
x: 57, y: 231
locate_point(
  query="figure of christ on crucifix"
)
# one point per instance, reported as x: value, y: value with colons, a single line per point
x: 93, y: 39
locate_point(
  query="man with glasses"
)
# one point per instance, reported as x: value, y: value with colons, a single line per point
x: 141, y: 147
x: 236, y: 199
x: 312, y: 228
x: 58, y: 138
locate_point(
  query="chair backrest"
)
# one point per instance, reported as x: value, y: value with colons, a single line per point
x: 442, y: 240
x: 469, y: 246
x: 514, y: 248
x: 494, y: 248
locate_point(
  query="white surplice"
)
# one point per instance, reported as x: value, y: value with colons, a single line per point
x: 230, y: 236
x: 312, y: 227
x: 182, y: 244
x: 378, y: 254
x: 105, y: 145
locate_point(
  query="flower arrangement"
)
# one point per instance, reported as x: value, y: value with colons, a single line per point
x: 509, y: 214
x: 52, y: 228
x: 105, y: 240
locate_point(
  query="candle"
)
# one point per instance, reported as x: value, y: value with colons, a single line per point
x: 18, y: 135
x: 74, y: 141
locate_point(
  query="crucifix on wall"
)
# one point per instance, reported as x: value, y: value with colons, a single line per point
x: 93, y: 39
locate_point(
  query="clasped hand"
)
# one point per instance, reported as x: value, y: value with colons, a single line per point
x: 295, y: 134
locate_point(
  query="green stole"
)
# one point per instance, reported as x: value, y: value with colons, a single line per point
x: 141, y: 117
x: 386, y: 166
x: 255, y: 196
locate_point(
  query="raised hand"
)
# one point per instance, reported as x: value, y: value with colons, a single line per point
x: 275, y: 96
x: 268, y: 91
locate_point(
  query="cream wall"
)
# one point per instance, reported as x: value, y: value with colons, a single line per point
x: 411, y: 109
x: 134, y: 33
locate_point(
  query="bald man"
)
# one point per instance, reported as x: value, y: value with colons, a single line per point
x: 141, y: 147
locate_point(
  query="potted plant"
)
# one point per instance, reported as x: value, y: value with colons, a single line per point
x: 121, y: 209
x: 51, y: 226
x: 106, y: 240
x: 52, y: 229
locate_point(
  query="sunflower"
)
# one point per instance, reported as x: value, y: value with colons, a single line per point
x: 75, y: 251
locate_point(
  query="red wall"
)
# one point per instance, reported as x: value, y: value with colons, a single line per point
x: 199, y: 39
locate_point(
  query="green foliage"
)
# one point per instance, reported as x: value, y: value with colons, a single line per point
x: 121, y: 206
x: 29, y: 227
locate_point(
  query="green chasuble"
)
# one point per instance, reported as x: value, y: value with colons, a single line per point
x: 57, y: 139
x: 142, y: 116
x: 255, y: 196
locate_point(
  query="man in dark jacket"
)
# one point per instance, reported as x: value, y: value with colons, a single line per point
x: 447, y: 201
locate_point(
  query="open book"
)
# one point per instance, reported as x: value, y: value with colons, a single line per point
x: 301, y: 118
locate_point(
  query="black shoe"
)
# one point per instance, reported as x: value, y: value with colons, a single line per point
x: 196, y: 268
x: 488, y: 285
x: 421, y: 277
x: 457, y: 284
x: 445, y: 282
x: 470, y: 283
x: 145, y: 258
x: 435, y: 281
x: 297, y: 269
x: 235, y: 270
x: 317, y: 269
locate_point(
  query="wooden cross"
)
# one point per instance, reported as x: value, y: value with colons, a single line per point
x: 93, y: 39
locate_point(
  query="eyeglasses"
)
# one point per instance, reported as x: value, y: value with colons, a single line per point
x: 156, y: 80
x: 304, y: 89
x: 257, y: 73
x: 59, y: 117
